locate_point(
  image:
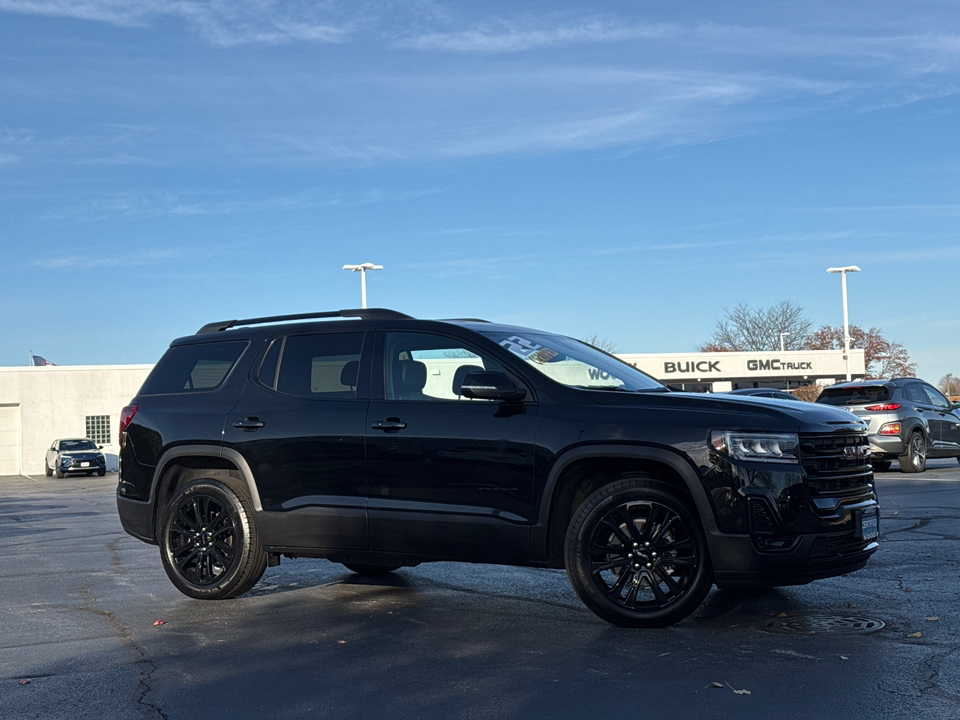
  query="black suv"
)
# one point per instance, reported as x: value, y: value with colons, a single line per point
x: 908, y: 420
x: 379, y: 441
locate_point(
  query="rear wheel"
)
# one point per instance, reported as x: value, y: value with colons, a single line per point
x: 208, y: 541
x: 915, y: 460
x: 364, y: 569
x: 881, y: 465
x: 636, y: 554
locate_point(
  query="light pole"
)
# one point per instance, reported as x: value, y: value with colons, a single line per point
x: 846, y: 322
x: 362, y: 269
x: 781, y: 340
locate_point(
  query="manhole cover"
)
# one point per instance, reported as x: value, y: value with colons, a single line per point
x: 833, y: 624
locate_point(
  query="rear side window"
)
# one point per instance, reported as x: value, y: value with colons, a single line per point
x: 193, y: 368
x: 855, y: 395
x: 324, y: 366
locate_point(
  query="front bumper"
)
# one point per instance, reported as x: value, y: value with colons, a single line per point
x: 82, y: 464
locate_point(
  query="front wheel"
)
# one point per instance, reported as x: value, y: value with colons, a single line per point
x: 208, y: 541
x: 881, y: 465
x: 915, y: 460
x: 636, y: 554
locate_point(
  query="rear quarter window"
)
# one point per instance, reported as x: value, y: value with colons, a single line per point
x: 193, y: 368
x: 855, y: 395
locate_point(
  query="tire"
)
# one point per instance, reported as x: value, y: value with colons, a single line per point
x: 881, y: 465
x: 59, y: 473
x: 101, y: 473
x: 637, y: 521
x: 47, y: 470
x: 208, y: 540
x: 363, y: 569
x: 915, y: 460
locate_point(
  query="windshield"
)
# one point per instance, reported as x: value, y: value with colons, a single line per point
x: 574, y: 363
x: 74, y: 445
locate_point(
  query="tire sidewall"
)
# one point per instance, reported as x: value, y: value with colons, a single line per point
x: 230, y: 582
x: 579, y: 534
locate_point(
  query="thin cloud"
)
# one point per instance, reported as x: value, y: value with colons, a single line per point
x: 72, y: 262
x: 223, y: 22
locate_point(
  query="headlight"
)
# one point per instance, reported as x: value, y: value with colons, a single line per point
x: 756, y: 446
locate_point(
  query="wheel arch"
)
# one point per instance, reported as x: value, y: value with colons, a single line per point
x: 580, y: 471
x: 181, y: 464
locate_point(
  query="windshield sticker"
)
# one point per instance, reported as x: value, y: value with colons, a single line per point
x: 520, y: 346
x: 543, y: 356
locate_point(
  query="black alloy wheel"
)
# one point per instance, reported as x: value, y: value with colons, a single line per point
x: 637, y: 556
x: 915, y: 459
x: 208, y: 541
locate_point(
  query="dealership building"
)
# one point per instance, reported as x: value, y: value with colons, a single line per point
x: 41, y: 404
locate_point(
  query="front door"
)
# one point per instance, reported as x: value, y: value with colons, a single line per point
x: 300, y: 427
x: 447, y: 475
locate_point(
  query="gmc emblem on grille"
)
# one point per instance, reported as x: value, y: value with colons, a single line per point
x: 855, y: 452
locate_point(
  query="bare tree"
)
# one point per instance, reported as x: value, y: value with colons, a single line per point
x: 949, y: 384
x: 883, y: 358
x: 601, y: 343
x: 759, y: 330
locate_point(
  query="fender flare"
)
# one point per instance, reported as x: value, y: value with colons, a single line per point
x: 216, y: 451
x: 671, y: 459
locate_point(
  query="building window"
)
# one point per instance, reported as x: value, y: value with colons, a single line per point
x: 98, y: 429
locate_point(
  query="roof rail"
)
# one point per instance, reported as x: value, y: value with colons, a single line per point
x: 466, y: 320
x: 363, y: 314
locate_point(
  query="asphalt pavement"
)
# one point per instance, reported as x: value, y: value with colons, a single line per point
x: 80, y: 603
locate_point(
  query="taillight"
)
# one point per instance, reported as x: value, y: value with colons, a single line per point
x: 883, y: 407
x: 889, y: 429
x: 126, y: 416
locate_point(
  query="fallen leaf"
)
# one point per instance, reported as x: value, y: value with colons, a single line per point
x: 341, y: 642
x: 158, y: 623
x: 717, y: 685
x: 932, y: 619
x: 852, y: 605
x: 915, y: 635
x: 844, y: 657
x: 742, y: 692
x: 907, y: 589
x: 25, y: 681
x: 783, y: 615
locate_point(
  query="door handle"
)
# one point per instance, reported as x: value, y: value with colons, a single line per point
x: 250, y: 423
x: 389, y: 425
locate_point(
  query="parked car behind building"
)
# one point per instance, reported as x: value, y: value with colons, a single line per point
x: 75, y: 456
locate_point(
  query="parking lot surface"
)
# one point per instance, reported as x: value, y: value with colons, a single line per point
x: 81, y: 599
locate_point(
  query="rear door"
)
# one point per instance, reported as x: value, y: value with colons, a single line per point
x: 300, y: 427
x: 947, y: 421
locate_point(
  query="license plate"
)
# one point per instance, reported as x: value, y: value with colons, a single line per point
x: 870, y: 525
x: 86, y: 464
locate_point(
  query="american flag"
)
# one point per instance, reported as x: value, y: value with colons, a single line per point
x: 37, y: 360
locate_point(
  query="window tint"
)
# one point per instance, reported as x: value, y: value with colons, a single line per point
x: 915, y: 393
x: 324, y: 366
x: 193, y: 368
x: 855, y: 395
x: 420, y: 366
x: 935, y: 397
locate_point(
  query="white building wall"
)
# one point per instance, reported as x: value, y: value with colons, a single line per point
x: 54, y: 402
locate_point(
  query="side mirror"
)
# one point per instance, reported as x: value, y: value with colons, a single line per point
x: 491, y: 385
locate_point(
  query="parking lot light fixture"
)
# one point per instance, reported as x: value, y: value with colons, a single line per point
x: 782, y: 335
x: 362, y: 269
x: 842, y: 271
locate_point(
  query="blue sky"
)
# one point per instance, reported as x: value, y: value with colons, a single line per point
x: 625, y: 169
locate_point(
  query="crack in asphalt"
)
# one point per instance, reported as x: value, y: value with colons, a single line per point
x: 122, y: 632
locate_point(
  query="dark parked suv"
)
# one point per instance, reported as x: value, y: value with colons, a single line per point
x: 908, y: 420
x: 379, y: 441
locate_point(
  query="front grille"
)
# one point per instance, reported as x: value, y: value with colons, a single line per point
x: 835, y: 547
x: 836, y: 464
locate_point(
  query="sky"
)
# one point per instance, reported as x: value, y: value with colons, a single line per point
x: 625, y: 170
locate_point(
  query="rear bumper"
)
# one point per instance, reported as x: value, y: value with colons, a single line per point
x: 136, y: 517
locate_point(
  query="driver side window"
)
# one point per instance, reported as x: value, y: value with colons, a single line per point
x: 420, y: 366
